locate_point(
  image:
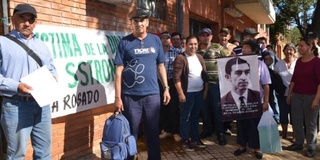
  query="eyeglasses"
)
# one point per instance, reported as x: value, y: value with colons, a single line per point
x: 24, y: 19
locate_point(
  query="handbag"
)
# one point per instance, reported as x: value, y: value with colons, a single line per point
x: 26, y: 48
x: 269, y: 133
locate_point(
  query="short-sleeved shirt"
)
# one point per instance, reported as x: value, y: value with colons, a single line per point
x: 285, y: 72
x: 210, y: 56
x: 264, y: 77
x: 306, y: 76
x: 140, y: 59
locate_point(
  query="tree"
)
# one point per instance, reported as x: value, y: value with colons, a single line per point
x: 315, y: 20
x: 294, y: 12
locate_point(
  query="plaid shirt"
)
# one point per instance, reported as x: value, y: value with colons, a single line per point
x: 170, y: 56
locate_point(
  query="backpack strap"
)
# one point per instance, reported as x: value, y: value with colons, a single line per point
x: 26, y: 48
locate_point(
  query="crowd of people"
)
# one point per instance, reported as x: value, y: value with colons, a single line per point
x: 192, y: 79
x: 169, y: 82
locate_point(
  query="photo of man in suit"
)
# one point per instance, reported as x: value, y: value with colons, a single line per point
x: 240, y: 102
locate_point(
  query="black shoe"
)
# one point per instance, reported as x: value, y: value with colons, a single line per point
x: 258, y: 155
x: 238, y: 152
x: 294, y: 147
x: 222, y: 139
x: 204, y: 135
x: 310, y: 153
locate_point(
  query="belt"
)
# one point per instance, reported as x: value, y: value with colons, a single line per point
x: 20, y: 98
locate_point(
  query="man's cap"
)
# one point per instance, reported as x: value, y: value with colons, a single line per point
x: 205, y: 30
x: 225, y: 30
x: 139, y: 13
x: 312, y: 34
x: 165, y: 34
x: 24, y: 8
x: 249, y: 31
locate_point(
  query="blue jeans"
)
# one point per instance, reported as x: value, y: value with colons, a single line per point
x: 212, y: 109
x: 189, y: 115
x: 284, y: 110
x: 147, y: 108
x: 20, y: 120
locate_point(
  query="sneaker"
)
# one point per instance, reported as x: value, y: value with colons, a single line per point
x: 187, y: 146
x: 164, y: 135
x: 176, y: 137
x: 199, y: 144
x: 228, y: 132
x: 310, y: 153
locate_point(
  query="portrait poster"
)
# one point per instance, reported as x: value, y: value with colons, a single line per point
x: 239, y: 87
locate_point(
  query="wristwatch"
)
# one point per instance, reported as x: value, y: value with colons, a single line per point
x: 166, y: 87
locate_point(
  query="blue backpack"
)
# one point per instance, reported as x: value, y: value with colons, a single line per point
x: 117, y: 142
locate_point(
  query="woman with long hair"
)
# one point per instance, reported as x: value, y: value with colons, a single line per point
x: 304, y: 96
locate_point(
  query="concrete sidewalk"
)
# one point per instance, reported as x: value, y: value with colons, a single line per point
x: 171, y: 150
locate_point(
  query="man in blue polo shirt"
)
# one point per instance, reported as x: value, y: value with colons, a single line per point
x: 139, y: 59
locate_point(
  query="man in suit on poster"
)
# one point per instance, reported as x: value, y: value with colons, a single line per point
x: 240, y: 102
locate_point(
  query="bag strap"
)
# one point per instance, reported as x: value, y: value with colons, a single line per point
x: 26, y: 48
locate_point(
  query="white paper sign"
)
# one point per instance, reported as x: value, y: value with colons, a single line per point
x: 45, y: 87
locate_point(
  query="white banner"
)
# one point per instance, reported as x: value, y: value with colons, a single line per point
x: 84, y: 61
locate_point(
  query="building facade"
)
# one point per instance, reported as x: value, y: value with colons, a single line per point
x: 79, y: 132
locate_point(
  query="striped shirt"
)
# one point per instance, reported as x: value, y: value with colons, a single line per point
x: 170, y: 56
x: 15, y: 63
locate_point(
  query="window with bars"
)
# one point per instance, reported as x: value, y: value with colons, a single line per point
x: 195, y: 26
x: 157, y: 8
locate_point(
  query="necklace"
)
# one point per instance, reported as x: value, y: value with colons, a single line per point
x: 288, y: 62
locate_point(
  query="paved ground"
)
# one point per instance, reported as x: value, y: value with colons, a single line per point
x: 172, y: 150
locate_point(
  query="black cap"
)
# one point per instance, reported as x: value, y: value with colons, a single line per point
x: 25, y: 8
x: 225, y: 30
x: 312, y: 34
x: 139, y: 13
x: 249, y: 31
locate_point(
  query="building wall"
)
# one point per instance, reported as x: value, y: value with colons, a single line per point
x: 212, y: 12
x: 1, y: 24
x: 78, y: 134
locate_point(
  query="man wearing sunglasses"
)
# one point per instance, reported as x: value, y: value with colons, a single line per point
x: 21, y: 116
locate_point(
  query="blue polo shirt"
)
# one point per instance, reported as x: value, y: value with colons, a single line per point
x: 140, y: 59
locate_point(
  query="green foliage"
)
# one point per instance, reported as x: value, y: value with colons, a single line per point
x: 293, y: 35
x: 292, y: 12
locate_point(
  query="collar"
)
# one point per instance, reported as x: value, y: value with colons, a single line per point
x: 18, y: 35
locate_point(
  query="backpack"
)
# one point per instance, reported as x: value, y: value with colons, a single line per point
x: 276, y: 83
x: 117, y: 142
